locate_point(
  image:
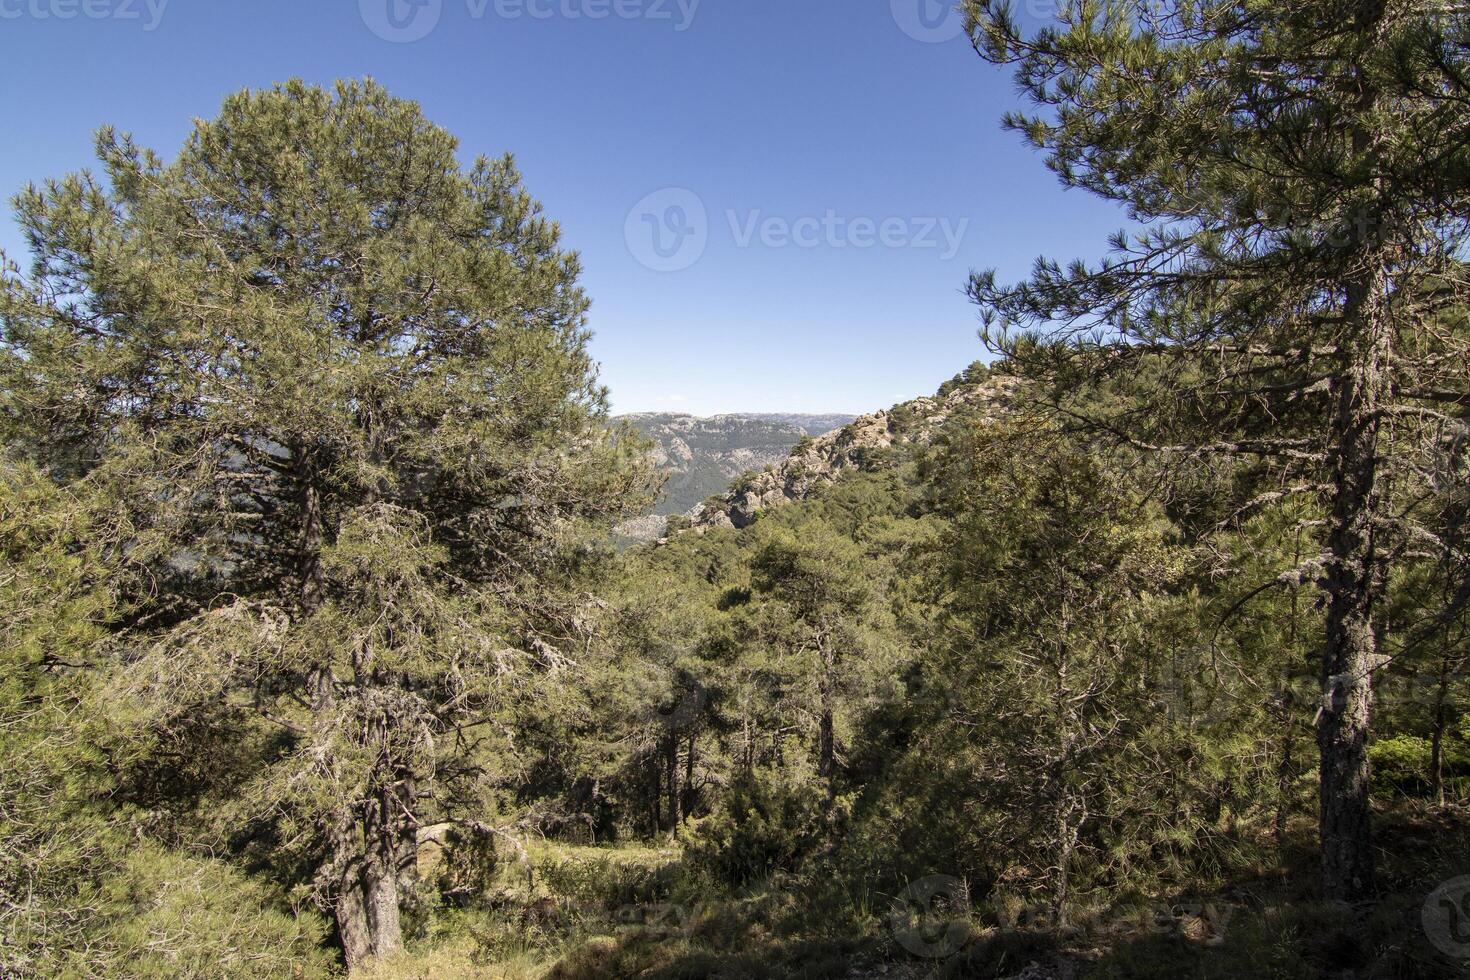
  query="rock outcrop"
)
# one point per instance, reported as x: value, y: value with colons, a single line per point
x: 700, y: 456
x: 863, y: 444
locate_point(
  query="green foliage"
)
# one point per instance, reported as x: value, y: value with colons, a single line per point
x: 764, y: 825
x: 1401, y: 763
x: 84, y: 894
x: 1294, y: 281
x: 335, y: 390
x: 309, y: 617
x: 977, y: 373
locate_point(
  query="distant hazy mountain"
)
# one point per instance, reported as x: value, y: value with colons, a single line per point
x: 862, y: 444
x: 702, y: 455
x: 812, y: 425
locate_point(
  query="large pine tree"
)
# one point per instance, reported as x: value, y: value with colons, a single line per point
x: 350, y: 380
x: 1292, y: 295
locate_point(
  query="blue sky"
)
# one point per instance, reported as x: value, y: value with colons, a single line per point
x: 821, y: 175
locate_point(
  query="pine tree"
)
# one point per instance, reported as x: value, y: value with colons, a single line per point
x: 811, y: 610
x: 351, y: 384
x: 1292, y: 295
x: 1052, y: 584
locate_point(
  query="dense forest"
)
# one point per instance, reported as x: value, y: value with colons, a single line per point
x: 1137, y: 649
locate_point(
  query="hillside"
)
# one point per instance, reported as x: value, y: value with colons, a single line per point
x: 812, y: 425
x: 701, y: 456
x: 859, y: 445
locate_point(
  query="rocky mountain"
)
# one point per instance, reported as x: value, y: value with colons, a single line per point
x: 701, y: 456
x: 862, y: 444
x: 812, y: 425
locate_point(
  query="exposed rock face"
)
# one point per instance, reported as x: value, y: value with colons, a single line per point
x: 812, y: 425
x: 700, y: 456
x: 860, y: 445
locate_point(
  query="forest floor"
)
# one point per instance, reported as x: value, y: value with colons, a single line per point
x: 588, y: 913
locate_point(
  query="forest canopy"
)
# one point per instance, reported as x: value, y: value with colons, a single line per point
x: 1137, y: 649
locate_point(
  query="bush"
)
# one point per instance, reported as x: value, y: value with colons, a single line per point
x: 765, y: 825
x: 1401, y: 764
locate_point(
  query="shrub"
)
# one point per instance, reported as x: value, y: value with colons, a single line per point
x: 766, y: 825
x: 1400, y: 764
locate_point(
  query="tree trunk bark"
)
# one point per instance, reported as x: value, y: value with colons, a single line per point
x: 1355, y: 574
x: 380, y: 874
x: 686, y: 795
x: 1067, y: 843
x: 1283, y: 772
x: 748, y: 732
x: 655, y: 796
x: 1353, y: 579
x: 826, y: 747
x: 352, y: 918
x: 826, y: 738
x: 367, y: 915
x: 1436, y: 743
x: 671, y: 774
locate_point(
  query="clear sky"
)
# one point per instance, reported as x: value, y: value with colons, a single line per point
x: 777, y: 202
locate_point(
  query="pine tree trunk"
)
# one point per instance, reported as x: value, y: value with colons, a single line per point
x: 1283, y: 776
x: 655, y: 796
x: 1354, y: 575
x: 826, y: 749
x: 350, y: 904
x: 686, y: 795
x: 352, y: 918
x: 380, y: 874
x: 1436, y: 744
x: 368, y: 920
x: 826, y: 739
x: 748, y: 747
x: 1353, y: 580
x: 382, y: 906
x: 671, y: 774
x: 407, y: 866
x: 1066, y: 844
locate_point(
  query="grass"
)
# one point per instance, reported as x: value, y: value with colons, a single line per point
x: 574, y: 912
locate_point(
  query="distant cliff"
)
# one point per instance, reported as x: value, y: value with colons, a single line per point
x: 700, y: 456
x: 862, y: 444
x: 812, y: 425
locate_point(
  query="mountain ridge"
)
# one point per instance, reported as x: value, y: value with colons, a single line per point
x: 857, y: 446
x: 700, y: 455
